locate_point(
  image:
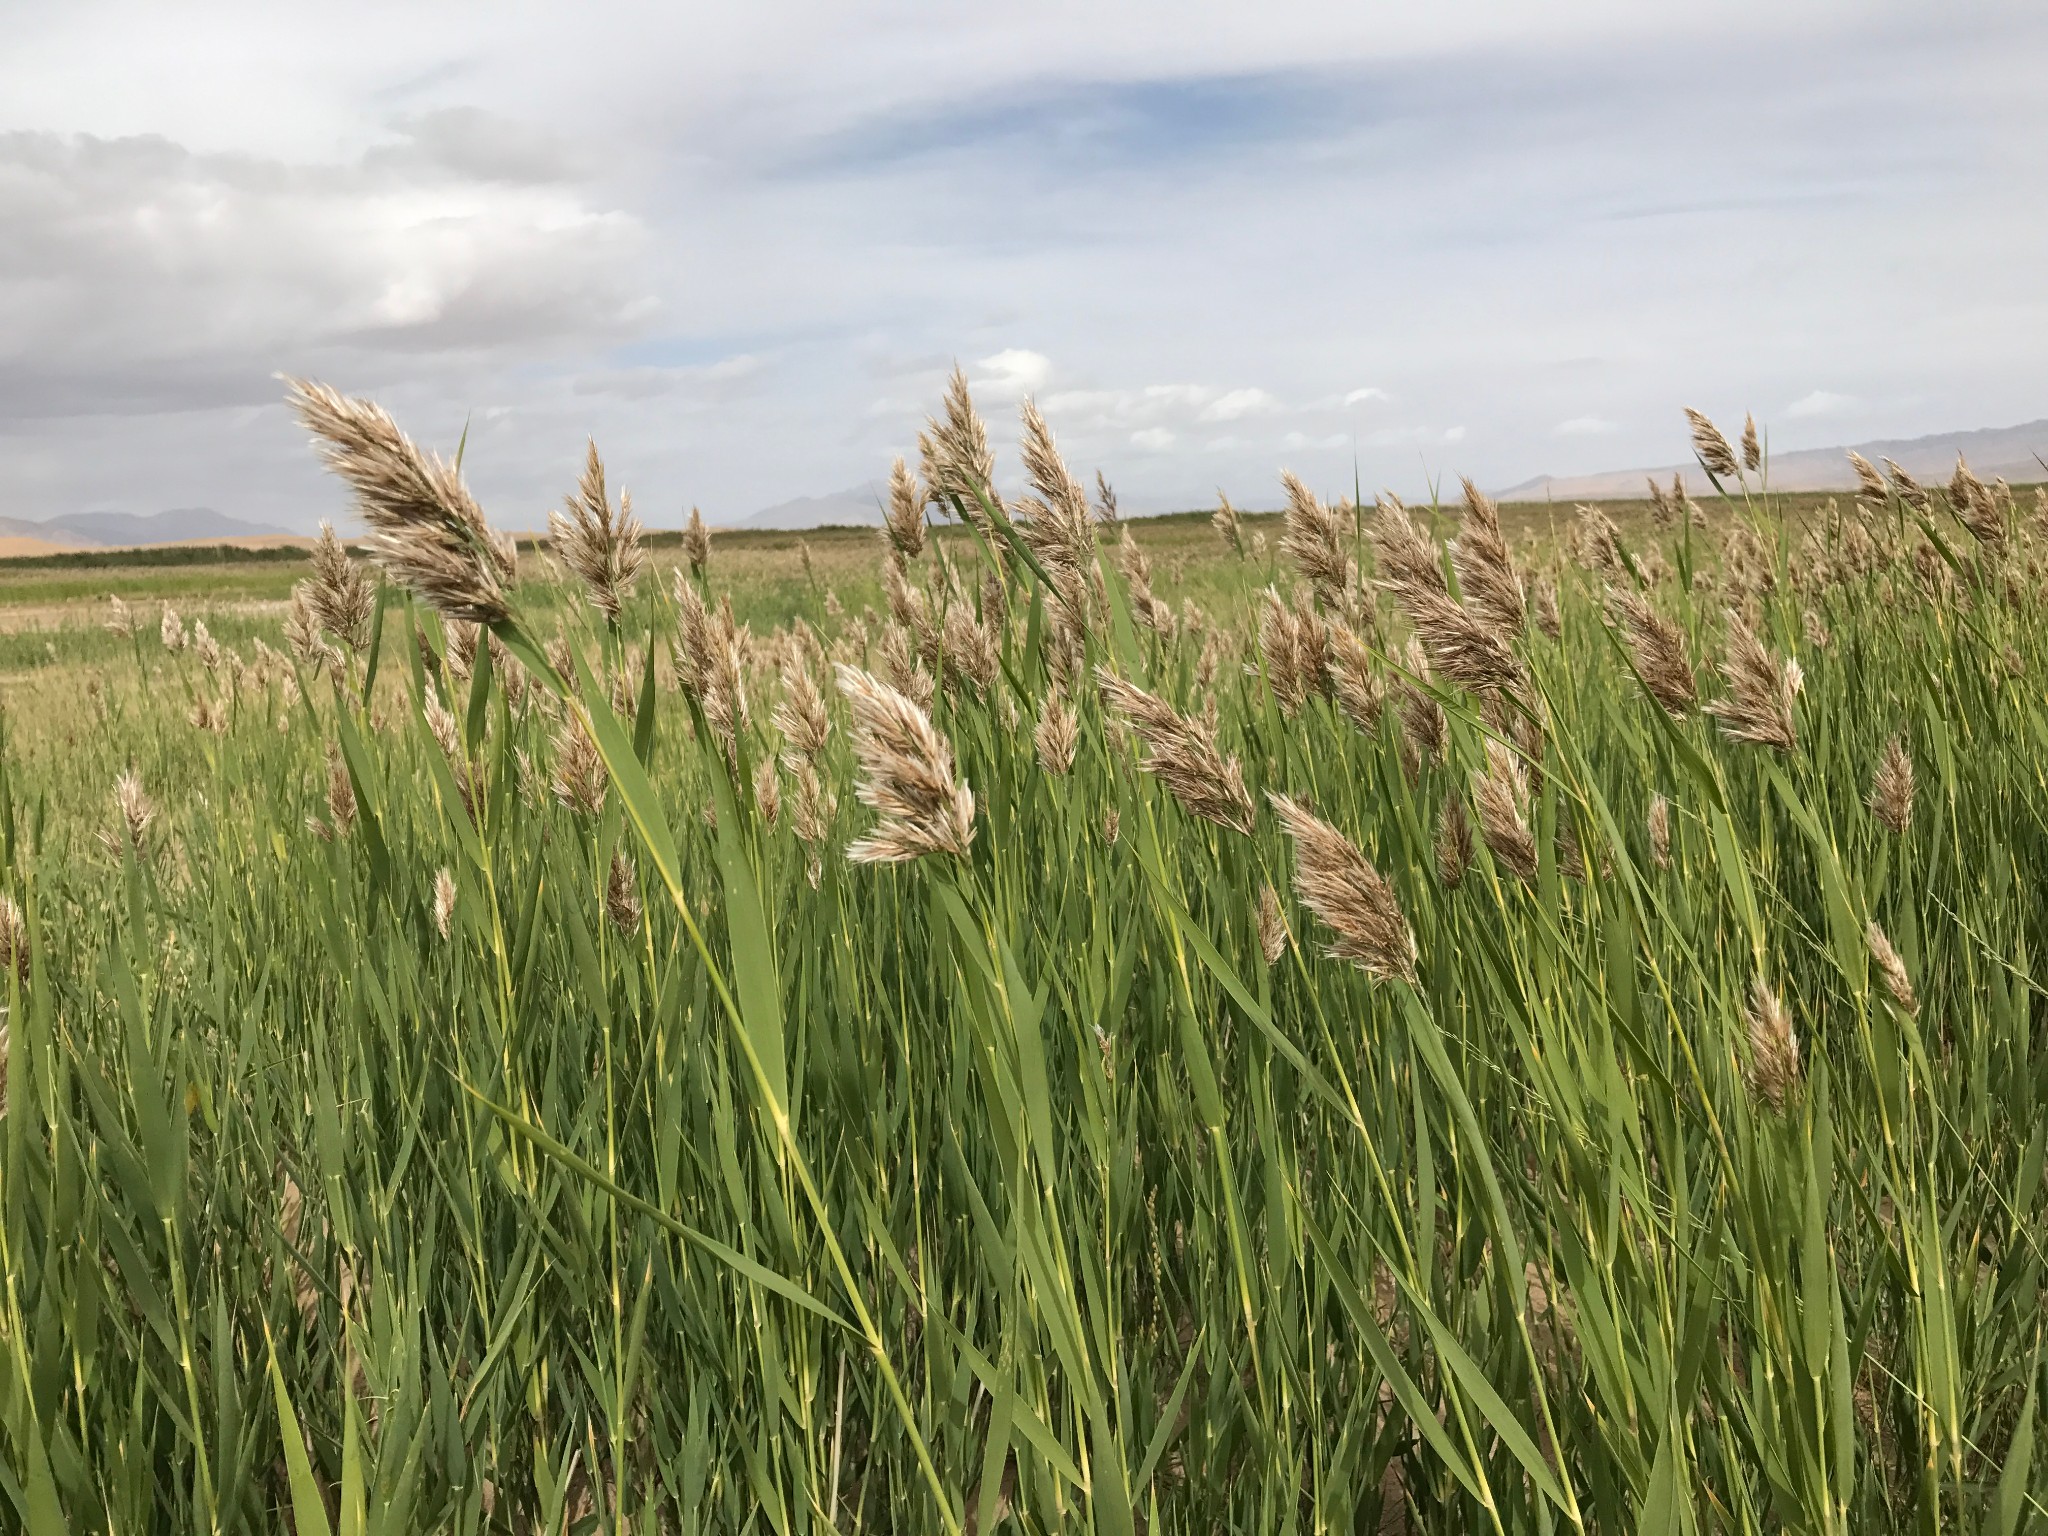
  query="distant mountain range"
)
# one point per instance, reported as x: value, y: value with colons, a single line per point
x: 860, y: 507
x: 1992, y: 452
x: 113, y: 530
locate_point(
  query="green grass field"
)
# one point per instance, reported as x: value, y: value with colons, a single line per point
x: 1531, y: 1033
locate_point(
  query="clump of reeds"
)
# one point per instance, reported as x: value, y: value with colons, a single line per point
x: 425, y: 529
x: 907, y: 776
x: 1338, y: 883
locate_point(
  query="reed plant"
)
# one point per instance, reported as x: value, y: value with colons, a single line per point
x: 1443, y: 1041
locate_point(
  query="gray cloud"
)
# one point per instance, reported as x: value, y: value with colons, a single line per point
x: 743, y: 250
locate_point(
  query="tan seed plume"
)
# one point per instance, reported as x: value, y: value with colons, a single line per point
x: 342, y: 597
x: 1659, y: 823
x: 907, y: 776
x: 1501, y: 795
x: 1272, y: 925
x: 622, y: 895
x: 1891, y: 969
x: 696, y: 543
x: 1752, y: 445
x: 444, y: 900
x: 1868, y: 480
x: 1758, y: 706
x: 1058, y: 735
x: 425, y: 529
x: 1314, y: 540
x: 601, y: 545
x: 903, y: 521
x: 13, y: 957
x: 1891, y: 786
x: 1774, y: 1062
x: 1487, y: 579
x: 1224, y: 520
x: 1657, y: 647
x: 1183, y: 753
x: 1355, y: 683
x: 1453, y: 841
x: 1711, y: 448
x: 580, y: 778
x: 1336, y: 882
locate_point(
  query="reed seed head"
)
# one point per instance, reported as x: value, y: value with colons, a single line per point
x: 444, y: 900
x: 1758, y: 706
x: 13, y: 957
x: 907, y: 776
x: 1339, y: 884
x: 1314, y: 540
x: 425, y: 529
x: 1774, y: 1063
x: 601, y: 545
x: 1891, y: 970
x: 1891, y: 786
x: 1752, y: 446
x: 1657, y: 648
x: 1183, y: 753
x: 1711, y: 448
x: 1487, y: 579
x: 1272, y: 925
x: 580, y: 778
x: 172, y: 629
x: 1868, y: 481
x: 696, y: 543
x: 903, y: 520
x: 1659, y: 823
x: 342, y: 596
x: 622, y: 895
x: 1224, y: 520
x: 1501, y: 795
x: 1453, y: 841
x: 1058, y: 735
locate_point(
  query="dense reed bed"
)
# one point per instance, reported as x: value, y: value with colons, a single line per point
x: 1458, y: 1039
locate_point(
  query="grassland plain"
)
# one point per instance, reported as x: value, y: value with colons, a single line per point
x: 1028, y: 1022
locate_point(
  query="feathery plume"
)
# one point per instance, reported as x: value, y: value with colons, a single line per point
x: 1183, y: 753
x: 426, y: 530
x: 800, y: 715
x: 1408, y: 559
x: 1659, y: 823
x: 1453, y: 841
x: 1752, y: 446
x: 121, y: 618
x: 172, y: 629
x: 906, y: 775
x: 1058, y: 735
x: 1711, y: 448
x: 1909, y: 489
x: 444, y: 900
x: 600, y: 545
x: 13, y: 957
x: 1272, y: 925
x: 1891, y: 786
x: 1356, y: 685
x: 341, y: 596
x: 1314, y: 540
x: 341, y: 793
x: 1543, y: 602
x: 697, y: 543
x: 1868, y: 480
x: 1976, y: 508
x: 1657, y: 647
x: 1501, y: 794
x: 1224, y: 520
x: 622, y: 895
x: 1056, y: 524
x: 1596, y: 542
x: 1758, y: 707
x: 1891, y: 969
x: 580, y: 777
x: 1422, y: 717
x: 958, y: 466
x: 767, y: 793
x: 1487, y: 579
x: 1105, y: 499
x: 1774, y: 1069
x: 710, y: 664
x: 1338, y: 883
x: 903, y: 521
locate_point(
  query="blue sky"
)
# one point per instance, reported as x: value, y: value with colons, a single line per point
x: 742, y: 246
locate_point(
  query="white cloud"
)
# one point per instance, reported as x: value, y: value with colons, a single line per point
x: 1586, y: 426
x: 1364, y: 396
x: 1012, y: 374
x: 1153, y: 439
x: 1299, y: 440
x: 1821, y: 403
x: 1237, y: 404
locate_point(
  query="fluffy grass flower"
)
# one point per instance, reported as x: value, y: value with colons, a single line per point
x: 1339, y: 884
x: 907, y: 776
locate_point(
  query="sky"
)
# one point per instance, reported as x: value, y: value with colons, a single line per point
x: 742, y: 246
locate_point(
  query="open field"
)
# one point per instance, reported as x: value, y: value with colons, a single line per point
x: 1354, y: 1022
